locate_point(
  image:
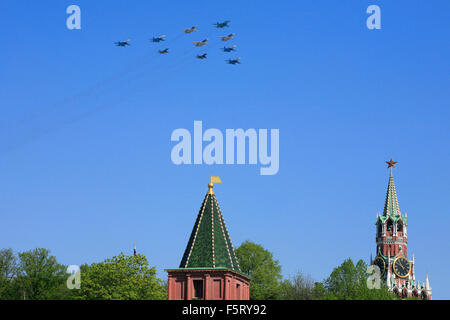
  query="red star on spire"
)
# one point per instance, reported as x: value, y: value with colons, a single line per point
x: 391, y: 163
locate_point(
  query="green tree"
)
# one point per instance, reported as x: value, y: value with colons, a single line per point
x: 298, y: 287
x: 263, y: 270
x: 349, y: 282
x: 319, y: 291
x: 40, y: 276
x: 8, y: 273
x: 120, y: 278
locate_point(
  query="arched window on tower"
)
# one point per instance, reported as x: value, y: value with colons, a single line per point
x: 379, y: 229
x: 424, y: 295
x: 399, y: 226
x: 390, y: 226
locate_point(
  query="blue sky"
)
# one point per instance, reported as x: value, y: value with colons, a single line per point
x: 85, y: 128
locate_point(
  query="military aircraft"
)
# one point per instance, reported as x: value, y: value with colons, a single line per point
x: 163, y: 51
x: 158, y: 39
x: 190, y: 30
x: 228, y: 37
x: 221, y: 25
x: 203, y: 56
x: 229, y: 49
x: 201, y: 43
x: 123, y: 43
x: 233, y: 61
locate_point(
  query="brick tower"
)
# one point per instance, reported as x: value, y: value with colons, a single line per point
x: 392, y: 241
x: 209, y: 269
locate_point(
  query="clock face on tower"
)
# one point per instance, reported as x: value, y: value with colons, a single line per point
x: 379, y: 261
x: 401, y: 267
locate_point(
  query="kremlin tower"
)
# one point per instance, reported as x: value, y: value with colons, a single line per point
x: 209, y: 269
x: 392, y: 256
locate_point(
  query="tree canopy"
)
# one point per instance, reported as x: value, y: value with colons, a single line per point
x: 298, y: 287
x: 120, y: 278
x: 349, y: 282
x: 33, y: 274
x: 264, y: 272
x: 36, y: 275
x: 8, y: 271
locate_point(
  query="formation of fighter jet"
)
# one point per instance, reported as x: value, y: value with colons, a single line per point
x: 122, y: 43
x: 233, y: 61
x: 201, y: 43
x: 158, y: 39
x: 229, y: 49
x: 190, y: 30
x: 228, y: 37
x: 221, y: 25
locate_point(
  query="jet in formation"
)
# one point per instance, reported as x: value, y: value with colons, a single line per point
x: 233, y: 61
x: 201, y: 43
x: 221, y: 25
x: 158, y: 39
x: 228, y: 37
x: 163, y: 51
x: 229, y: 49
x: 122, y: 43
x: 203, y: 56
x: 190, y: 30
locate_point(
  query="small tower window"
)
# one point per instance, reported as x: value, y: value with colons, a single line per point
x: 379, y: 229
x: 390, y: 226
x: 399, y: 227
x: 198, y: 289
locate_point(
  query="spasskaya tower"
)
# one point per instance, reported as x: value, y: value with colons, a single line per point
x: 392, y: 248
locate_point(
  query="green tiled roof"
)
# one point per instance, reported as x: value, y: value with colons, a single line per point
x: 209, y: 245
x: 391, y: 207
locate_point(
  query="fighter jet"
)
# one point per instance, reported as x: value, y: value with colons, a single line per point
x: 229, y: 49
x: 221, y: 25
x: 228, y: 37
x: 123, y: 43
x: 233, y: 61
x: 190, y: 30
x: 201, y: 43
x: 163, y: 51
x: 158, y: 39
x: 203, y: 56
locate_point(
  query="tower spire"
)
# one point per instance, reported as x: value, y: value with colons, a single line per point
x: 391, y: 207
x: 427, y: 283
x: 210, y: 245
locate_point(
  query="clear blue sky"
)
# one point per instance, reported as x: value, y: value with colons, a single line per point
x: 85, y: 128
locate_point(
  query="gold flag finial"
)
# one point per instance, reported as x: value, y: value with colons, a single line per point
x: 214, y: 179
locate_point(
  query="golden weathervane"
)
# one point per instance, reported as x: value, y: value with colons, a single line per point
x: 214, y: 179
